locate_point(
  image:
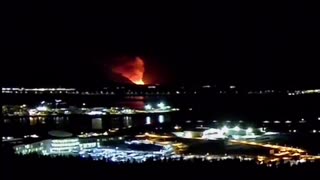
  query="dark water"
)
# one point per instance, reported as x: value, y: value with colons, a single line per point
x: 195, y: 111
x: 13, y: 126
x: 17, y: 126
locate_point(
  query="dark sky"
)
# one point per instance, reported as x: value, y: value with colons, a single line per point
x: 260, y: 44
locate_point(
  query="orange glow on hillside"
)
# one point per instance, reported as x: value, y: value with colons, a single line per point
x: 132, y: 70
x: 140, y: 82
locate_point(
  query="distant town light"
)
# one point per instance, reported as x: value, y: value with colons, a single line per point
x: 236, y: 128
x: 148, y: 107
x: 262, y: 129
x: 148, y: 120
x: 314, y: 131
x: 188, y: 134
x: 161, y: 105
x: 249, y: 130
x: 42, y: 108
x: 32, y: 112
x: 34, y: 136
x: 92, y: 113
x: 161, y: 119
x: 302, y: 121
x: 225, y: 129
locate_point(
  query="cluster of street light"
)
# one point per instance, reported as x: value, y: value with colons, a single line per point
x: 160, y: 105
x: 128, y: 155
x: 45, y: 108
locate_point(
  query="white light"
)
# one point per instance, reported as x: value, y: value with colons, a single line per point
x: 95, y: 113
x: 263, y: 129
x: 188, y: 134
x: 42, y: 108
x: 236, y: 136
x: 57, y: 145
x: 294, y: 131
x: 148, y: 107
x: 318, y: 118
x: 58, y: 100
x: 148, y: 120
x: 314, y: 131
x: 225, y: 129
x: 161, y: 105
x: 161, y: 119
x: 302, y: 121
x: 32, y: 112
x: 64, y: 140
x: 249, y: 130
x: 42, y: 102
x: 237, y: 128
x: 34, y: 136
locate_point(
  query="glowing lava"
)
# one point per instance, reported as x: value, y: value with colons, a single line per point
x: 132, y: 70
x: 140, y: 82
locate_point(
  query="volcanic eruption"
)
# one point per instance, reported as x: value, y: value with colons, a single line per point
x: 132, y: 69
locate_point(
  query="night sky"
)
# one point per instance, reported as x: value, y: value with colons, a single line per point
x: 249, y: 44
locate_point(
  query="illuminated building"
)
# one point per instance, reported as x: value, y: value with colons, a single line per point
x: 63, y: 146
x: 213, y: 134
x: 66, y: 146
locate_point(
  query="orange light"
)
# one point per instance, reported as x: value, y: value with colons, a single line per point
x: 139, y: 82
x: 132, y: 70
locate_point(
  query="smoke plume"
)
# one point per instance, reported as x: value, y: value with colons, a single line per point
x: 132, y: 69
